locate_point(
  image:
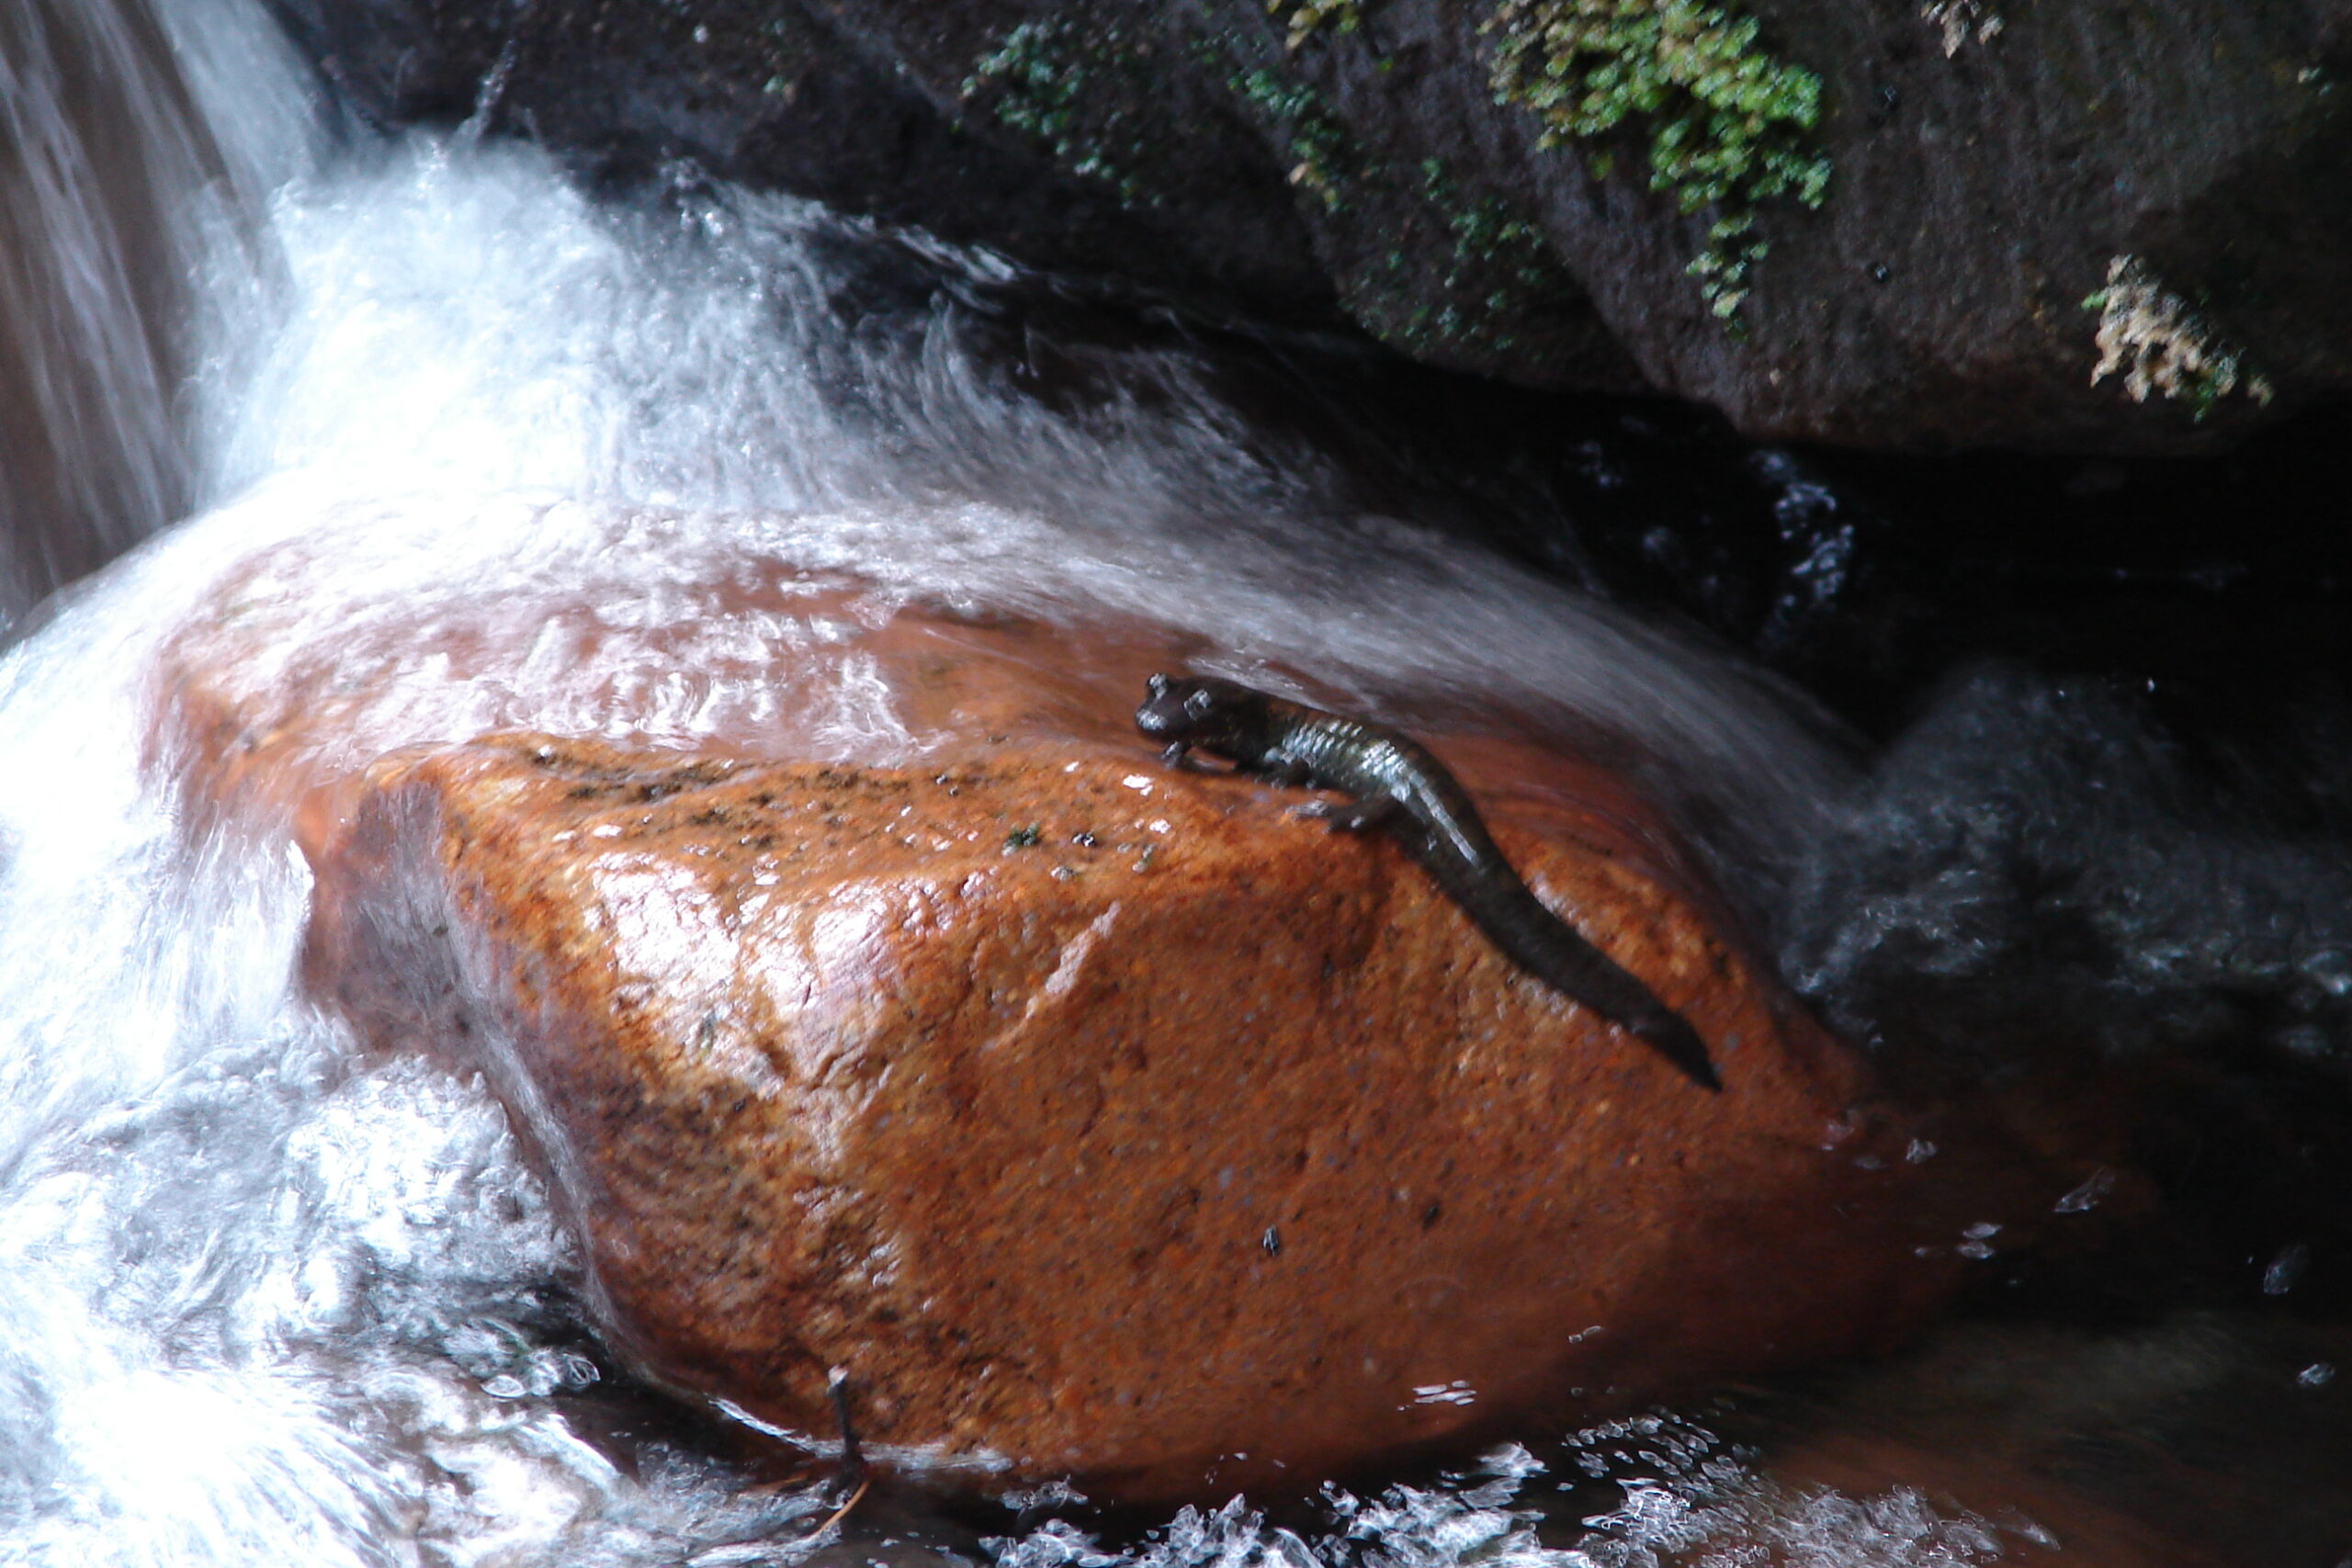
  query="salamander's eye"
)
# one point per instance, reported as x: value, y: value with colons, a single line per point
x: 1199, y: 703
x: 1155, y: 686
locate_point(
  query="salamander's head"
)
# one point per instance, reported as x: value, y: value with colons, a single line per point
x: 1198, y: 710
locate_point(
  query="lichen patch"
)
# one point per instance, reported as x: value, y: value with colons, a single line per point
x: 1961, y: 21
x: 1305, y: 16
x: 2159, y: 344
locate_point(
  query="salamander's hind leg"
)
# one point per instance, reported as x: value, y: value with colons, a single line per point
x: 1354, y: 816
x: 1288, y: 772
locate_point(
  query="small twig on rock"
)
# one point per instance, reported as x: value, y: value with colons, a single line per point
x: 852, y: 1471
x: 842, y: 1512
x: 851, y: 1477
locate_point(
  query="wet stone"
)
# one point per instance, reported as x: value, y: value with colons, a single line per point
x: 872, y: 998
x: 1104, y: 1120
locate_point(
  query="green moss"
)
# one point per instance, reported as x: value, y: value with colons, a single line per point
x: 1037, y: 79
x: 1492, y: 246
x: 1441, y: 272
x: 1483, y: 231
x: 1319, y: 147
x: 1733, y: 247
x: 1729, y: 126
x: 1468, y: 290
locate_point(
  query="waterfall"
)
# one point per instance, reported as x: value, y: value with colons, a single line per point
x: 136, y: 150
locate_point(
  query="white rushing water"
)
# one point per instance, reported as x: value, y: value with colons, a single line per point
x: 136, y: 150
x: 264, y: 1301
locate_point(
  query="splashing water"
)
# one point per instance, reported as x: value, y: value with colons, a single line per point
x: 1680, y: 1499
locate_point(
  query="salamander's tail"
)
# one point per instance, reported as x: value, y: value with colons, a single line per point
x: 1678, y: 1043
x: 1554, y: 952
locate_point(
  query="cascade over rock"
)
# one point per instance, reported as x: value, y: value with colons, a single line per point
x: 1913, y: 226
x: 1099, y: 1118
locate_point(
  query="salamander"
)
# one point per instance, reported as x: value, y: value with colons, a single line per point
x: 1395, y: 785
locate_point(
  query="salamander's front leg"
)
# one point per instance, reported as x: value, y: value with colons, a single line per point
x: 1179, y: 754
x: 1354, y: 816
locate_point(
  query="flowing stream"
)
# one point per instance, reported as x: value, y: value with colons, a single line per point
x: 264, y: 1299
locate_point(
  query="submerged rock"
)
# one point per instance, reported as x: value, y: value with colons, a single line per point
x: 1943, y: 225
x: 882, y: 1003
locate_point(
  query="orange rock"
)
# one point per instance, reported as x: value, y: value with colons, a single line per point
x: 1097, y: 1118
x: 1101, y: 1118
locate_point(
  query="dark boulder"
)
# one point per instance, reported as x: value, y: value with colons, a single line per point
x: 1919, y: 226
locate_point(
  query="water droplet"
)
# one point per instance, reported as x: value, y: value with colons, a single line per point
x: 1458, y: 1391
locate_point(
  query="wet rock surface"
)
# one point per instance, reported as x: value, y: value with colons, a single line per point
x: 2113, y: 230
x: 882, y: 1003
x: 940, y: 1076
